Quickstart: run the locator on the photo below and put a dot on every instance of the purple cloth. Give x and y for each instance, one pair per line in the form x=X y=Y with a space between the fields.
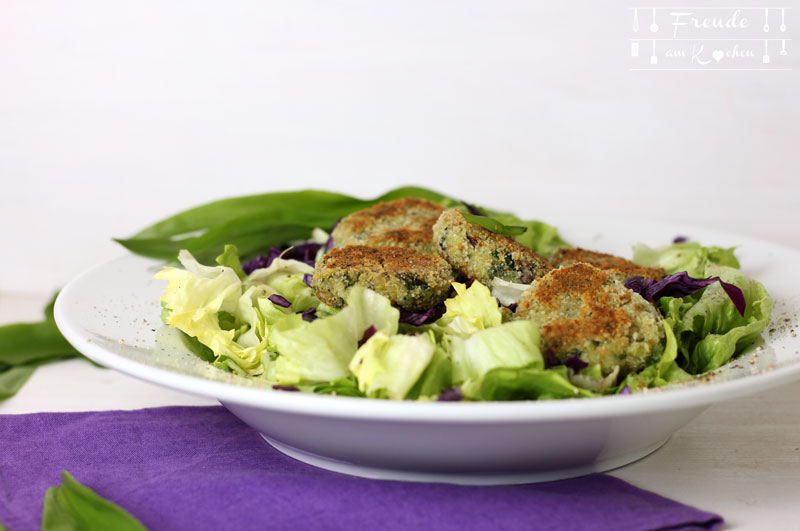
x=202 y=468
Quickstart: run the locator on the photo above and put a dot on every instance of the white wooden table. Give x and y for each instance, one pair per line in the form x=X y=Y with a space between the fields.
x=740 y=459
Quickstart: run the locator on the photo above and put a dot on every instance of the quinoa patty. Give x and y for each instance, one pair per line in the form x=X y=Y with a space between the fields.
x=482 y=255
x=404 y=222
x=608 y=262
x=587 y=312
x=410 y=279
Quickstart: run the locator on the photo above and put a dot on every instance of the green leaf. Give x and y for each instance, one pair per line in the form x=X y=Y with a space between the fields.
x=72 y=506
x=342 y=387
x=437 y=377
x=526 y=383
x=197 y=348
x=13 y=378
x=230 y=258
x=495 y=226
x=255 y=223
x=24 y=343
x=709 y=329
x=390 y=365
x=511 y=345
x=321 y=351
x=690 y=257
x=541 y=237
x=662 y=372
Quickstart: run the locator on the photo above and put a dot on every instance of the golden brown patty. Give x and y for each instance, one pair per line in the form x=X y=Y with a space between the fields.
x=626 y=268
x=587 y=312
x=404 y=222
x=410 y=279
x=483 y=255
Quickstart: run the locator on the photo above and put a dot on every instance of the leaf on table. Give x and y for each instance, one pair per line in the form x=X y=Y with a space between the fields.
x=12 y=379
x=72 y=506
x=25 y=343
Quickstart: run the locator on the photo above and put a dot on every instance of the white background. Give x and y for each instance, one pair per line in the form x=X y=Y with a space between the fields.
x=114 y=115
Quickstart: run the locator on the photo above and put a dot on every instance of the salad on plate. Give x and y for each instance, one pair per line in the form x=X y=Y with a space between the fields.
x=416 y=296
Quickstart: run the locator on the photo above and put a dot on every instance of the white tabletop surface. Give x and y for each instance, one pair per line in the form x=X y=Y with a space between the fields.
x=740 y=459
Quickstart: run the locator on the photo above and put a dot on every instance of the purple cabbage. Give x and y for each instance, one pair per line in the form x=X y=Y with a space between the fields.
x=472 y=209
x=305 y=252
x=680 y=239
x=368 y=333
x=309 y=315
x=420 y=318
x=512 y=306
x=329 y=244
x=625 y=390
x=453 y=394
x=261 y=261
x=285 y=388
x=680 y=285
x=575 y=363
x=307 y=279
x=279 y=300
x=571 y=361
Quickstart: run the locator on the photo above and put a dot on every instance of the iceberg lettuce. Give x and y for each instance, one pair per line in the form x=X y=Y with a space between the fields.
x=194 y=299
x=663 y=372
x=526 y=383
x=512 y=345
x=321 y=351
x=389 y=365
x=471 y=310
x=709 y=329
x=690 y=257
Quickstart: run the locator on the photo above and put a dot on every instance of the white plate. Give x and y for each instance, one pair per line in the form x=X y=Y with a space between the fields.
x=111 y=314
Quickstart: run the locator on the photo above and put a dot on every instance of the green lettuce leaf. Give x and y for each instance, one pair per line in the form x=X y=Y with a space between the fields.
x=194 y=299
x=437 y=377
x=526 y=383
x=390 y=365
x=471 y=310
x=72 y=506
x=709 y=329
x=690 y=257
x=321 y=351
x=511 y=345
x=230 y=258
x=664 y=372
x=342 y=387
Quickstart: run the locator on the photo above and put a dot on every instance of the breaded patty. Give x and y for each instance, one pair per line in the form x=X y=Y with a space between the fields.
x=404 y=222
x=410 y=279
x=605 y=261
x=584 y=311
x=482 y=255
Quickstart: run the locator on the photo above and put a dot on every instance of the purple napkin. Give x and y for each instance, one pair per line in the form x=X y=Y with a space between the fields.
x=202 y=468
